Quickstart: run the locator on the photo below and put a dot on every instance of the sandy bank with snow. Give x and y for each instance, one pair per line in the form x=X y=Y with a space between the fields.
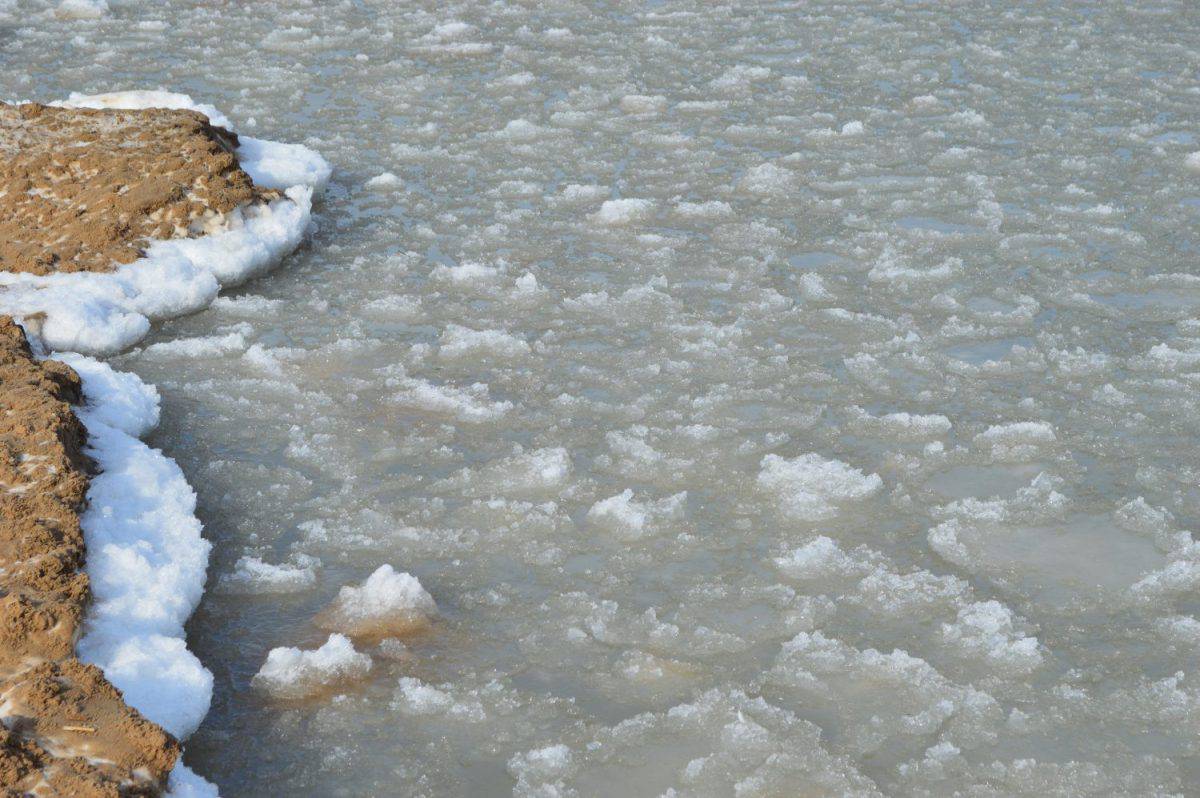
x=113 y=217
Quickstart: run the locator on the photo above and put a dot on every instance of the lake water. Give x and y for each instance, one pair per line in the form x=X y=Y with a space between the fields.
x=775 y=398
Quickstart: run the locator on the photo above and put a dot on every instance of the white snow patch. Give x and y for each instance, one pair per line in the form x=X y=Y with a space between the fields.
x=146 y=558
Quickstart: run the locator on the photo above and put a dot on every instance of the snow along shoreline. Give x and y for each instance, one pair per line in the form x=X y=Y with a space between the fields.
x=146 y=557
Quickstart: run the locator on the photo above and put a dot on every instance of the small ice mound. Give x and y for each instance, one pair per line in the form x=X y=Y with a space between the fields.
x=462 y=342
x=985 y=629
x=1193 y=161
x=811 y=488
x=388 y=604
x=81 y=9
x=630 y=519
x=618 y=212
x=520 y=130
x=1018 y=442
x=712 y=209
x=818 y=559
x=767 y=179
x=384 y=182
x=292 y=673
x=252 y=575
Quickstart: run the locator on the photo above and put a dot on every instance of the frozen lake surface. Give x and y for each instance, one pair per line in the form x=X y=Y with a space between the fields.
x=776 y=399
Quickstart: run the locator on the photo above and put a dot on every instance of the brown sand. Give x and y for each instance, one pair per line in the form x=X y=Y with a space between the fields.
x=66 y=730
x=79 y=190
x=85 y=190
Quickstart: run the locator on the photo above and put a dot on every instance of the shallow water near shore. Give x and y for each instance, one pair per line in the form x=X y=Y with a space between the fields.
x=774 y=399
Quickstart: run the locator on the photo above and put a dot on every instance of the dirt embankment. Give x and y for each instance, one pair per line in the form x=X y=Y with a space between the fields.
x=79 y=190
x=84 y=190
x=66 y=730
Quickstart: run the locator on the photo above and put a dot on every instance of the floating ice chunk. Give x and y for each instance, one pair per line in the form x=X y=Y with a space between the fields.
x=712 y=209
x=252 y=575
x=1193 y=161
x=459 y=342
x=535 y=770
x=520 y=130
x=388 y=604
x=539 y=473
x=454 y=29
x=811 y=488
x=631 y=519
x=902 y=426
x=464 y=273
x=1017 y=442
x=740 y=76
x=247 y=305
x=385 y=181
x=618 y=212
x=818 y=559
x=81 y=9
x=985 y=629
x=812 y=288
x=273 y=164
x=415 y=697
x=766 y=179
x=854 y=128
x=575 y=192
x=203 y=346
x=469 y=404
x=292 y=673
x=642 y=104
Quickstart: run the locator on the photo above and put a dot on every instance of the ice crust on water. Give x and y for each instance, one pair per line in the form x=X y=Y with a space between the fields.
x=811 y=487
x=81 y=9
x=252 y=575
x=882 y=298
x=292 y=673
x=388 y=603
x=102 y=313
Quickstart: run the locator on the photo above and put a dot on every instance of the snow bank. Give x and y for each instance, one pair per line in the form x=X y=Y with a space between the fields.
x=388 y=604
x=145 y=557
x=103 y=313
x=293 y=673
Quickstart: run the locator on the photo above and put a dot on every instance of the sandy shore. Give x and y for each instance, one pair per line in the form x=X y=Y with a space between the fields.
x=67 y=730
x=84 y=196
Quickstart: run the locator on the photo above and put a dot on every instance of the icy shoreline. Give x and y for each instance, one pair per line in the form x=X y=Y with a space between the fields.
x=146 y=557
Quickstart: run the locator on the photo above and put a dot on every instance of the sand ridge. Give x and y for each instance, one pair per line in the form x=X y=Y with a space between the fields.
x=85 y=189
x=66 y=729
